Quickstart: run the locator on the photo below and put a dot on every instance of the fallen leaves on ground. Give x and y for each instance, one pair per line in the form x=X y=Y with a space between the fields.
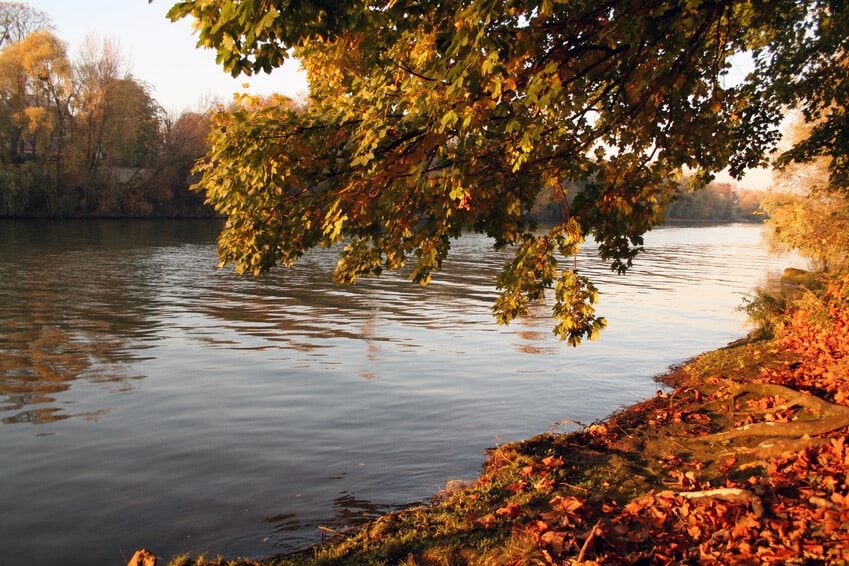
x=796 y=511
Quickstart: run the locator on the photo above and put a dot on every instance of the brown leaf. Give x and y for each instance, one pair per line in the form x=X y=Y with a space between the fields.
x=569 y=504
x=486 y=521
x=511 y=510
x=552 y=462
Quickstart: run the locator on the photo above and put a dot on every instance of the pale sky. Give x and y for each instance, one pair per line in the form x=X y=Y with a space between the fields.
x=161 y=53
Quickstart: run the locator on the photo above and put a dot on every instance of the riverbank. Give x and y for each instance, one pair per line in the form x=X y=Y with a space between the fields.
x=665 y=481
x=744 y=462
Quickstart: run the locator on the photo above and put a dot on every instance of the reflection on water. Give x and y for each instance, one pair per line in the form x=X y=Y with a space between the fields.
x=74 y=306
x=183 y=408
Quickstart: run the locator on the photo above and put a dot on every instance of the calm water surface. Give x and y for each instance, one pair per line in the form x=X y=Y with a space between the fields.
x=148 y=399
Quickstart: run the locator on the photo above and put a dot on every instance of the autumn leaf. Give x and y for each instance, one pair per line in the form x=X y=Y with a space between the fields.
x=487 y=521
x=511 y=510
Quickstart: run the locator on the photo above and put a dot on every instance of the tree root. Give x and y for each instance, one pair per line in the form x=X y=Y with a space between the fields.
x=776 y=447
x=832 y=417
x=732 y=494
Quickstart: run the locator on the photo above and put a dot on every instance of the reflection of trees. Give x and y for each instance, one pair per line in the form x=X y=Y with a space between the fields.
x=299 y=309
x=36 y=364
x=69 y=310
x=40 y=360
x=297 y=305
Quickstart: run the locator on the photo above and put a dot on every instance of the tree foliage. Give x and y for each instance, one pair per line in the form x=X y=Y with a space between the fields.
x=806 y=214
x=814 y=225
x=816 y=66
x=428 y=119
x=82 y=136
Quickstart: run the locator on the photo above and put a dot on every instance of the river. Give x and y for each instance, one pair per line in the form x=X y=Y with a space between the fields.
x=149 y=399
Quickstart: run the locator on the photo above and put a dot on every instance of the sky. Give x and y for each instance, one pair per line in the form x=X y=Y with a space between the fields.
x=161 y=53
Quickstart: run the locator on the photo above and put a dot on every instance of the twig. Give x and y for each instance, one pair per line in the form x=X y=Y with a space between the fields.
x=579 y=488
x=587 y=542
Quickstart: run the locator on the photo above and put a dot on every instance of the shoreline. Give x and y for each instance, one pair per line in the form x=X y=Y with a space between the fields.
x=611 y=491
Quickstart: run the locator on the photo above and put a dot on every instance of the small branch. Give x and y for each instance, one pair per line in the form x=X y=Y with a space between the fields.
x=587 y=542
x=406 y=68
x=575 y=487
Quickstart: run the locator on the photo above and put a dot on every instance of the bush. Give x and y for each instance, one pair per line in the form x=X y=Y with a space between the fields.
x=770 y=307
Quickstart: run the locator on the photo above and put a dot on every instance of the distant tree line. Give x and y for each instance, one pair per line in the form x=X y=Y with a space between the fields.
x=717 y=202
x=82 y=136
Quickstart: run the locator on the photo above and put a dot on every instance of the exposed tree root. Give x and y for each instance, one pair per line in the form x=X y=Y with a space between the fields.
x=775 y=446
x=732 y=494
x=831 y=416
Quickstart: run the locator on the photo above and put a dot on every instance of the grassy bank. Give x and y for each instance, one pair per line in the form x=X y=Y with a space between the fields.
x=743 y=463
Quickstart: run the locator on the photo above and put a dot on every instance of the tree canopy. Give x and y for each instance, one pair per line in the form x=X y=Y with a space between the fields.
x=428 y=118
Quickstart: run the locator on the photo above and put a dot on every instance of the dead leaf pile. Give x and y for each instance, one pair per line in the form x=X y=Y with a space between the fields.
x=816 y=336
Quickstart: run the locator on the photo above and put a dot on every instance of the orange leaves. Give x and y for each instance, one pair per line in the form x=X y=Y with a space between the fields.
x=511 y=510
x=565 y=512
x=555 y=530
x=487 y=521
x=795 y=509
x=550 y=462
x=597 y=430
x=729 y=463
x=817 y=334
x=537 y=481
x=686 y=480
x=544 y=467
x=676 y=526
x=800 y=508
x=766 y=402
x=568 y=505
x=680 y=413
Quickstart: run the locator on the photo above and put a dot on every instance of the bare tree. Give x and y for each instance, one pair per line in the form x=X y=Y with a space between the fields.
x=99 y=65
x=18 y=20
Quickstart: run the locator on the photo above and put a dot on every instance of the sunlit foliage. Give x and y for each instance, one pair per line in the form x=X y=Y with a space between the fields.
x=428 y=119
x=807 y=213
